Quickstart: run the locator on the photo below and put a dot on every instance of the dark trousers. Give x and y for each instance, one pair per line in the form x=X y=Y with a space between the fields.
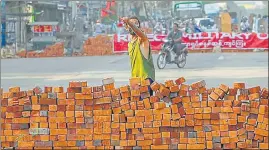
x=178 y=47
x=150 y=90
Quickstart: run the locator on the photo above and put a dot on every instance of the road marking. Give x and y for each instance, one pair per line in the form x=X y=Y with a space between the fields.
x=117 y=60
x=166 y=74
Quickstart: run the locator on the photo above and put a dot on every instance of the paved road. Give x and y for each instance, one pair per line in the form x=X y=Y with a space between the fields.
x=251 y=68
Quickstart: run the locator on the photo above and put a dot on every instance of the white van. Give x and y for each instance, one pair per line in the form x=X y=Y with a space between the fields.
x=206 y=24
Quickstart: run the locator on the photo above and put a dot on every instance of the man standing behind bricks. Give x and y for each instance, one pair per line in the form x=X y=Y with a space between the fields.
x=139 y=51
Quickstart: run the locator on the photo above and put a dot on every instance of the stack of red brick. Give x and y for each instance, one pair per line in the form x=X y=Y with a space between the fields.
x=99 y=45
x=104 y=117
x=56 y=50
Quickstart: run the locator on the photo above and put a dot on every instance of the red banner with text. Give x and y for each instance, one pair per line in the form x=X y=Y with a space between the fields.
x=203 y=40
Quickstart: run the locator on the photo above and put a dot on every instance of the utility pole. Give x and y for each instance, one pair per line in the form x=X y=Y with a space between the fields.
x=123 y=9
x=25 y=29
x=20 y=25
x=3 y=23
x=1 y=13
x=88 y=16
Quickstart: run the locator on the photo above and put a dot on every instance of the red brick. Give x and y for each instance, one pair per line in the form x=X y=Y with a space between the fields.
x=159 y=147
x=182 y=93
x=238 y=85
x=174 y=109
x=202 y=90
x=135 y=93
x=184 y=87
x=195 y=98
x=186 y=99
x=155 y=86
x=219 y=92
x=261 y=132
x=154 y=99
x=176 y=100
x=195 y=146
x=180 y=80
x=159 y=105
x=254 y=96
x=133 y=81
x=182 y=146
x=224 y=88
x=124 y=89
x=255 y=89
x=126 y=94
x=263 y=109
x=61 y=95
x=143 y=89
x=242 y=97
x=214 y=96
x=198 y=84
x=264 y=102
x=229 y=146
x=241 y=145
x=174 y=88
x=169 y=83
x=263 y=145
x=233 y=92
x=147 y=103
x=264 y=93
x=115 y=92
x=47 y=101
x=164 y=91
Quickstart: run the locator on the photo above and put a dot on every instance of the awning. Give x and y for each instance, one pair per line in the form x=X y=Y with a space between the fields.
x=44 y=39
x=43 y=23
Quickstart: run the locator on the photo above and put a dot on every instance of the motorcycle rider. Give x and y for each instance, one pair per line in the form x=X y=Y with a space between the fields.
x=176 y=35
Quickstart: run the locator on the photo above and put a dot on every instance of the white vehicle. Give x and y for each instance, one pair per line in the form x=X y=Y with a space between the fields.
x=206 y=24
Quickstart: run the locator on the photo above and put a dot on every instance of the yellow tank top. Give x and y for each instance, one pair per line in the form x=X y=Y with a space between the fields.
x=140 y=66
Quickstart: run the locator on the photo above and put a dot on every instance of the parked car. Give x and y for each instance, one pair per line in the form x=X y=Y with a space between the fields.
x=206 y=24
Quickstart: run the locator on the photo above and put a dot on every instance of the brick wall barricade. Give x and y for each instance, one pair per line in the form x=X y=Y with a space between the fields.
x=105 y=117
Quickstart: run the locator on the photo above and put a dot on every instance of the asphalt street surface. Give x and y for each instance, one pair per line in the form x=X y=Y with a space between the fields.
x=214 y=68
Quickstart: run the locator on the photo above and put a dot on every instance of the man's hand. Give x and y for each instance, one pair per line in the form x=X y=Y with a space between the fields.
x=125 y=19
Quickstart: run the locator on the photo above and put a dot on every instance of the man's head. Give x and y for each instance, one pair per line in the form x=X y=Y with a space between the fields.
x=136 y=22
x=175 y=26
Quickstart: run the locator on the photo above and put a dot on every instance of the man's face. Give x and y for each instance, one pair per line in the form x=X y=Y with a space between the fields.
x=135 y=22
x=175 y=27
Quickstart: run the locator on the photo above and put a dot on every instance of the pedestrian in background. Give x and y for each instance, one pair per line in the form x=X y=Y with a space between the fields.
x=98 y=28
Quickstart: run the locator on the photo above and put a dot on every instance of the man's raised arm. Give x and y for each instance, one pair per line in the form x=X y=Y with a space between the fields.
x=137 y=31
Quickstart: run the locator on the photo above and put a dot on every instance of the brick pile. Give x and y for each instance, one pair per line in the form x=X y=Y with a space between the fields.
x=99 y=45
x=56 y=50
x=105 y=117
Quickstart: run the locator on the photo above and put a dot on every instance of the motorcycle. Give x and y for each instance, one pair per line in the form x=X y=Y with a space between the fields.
x=168 y=56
